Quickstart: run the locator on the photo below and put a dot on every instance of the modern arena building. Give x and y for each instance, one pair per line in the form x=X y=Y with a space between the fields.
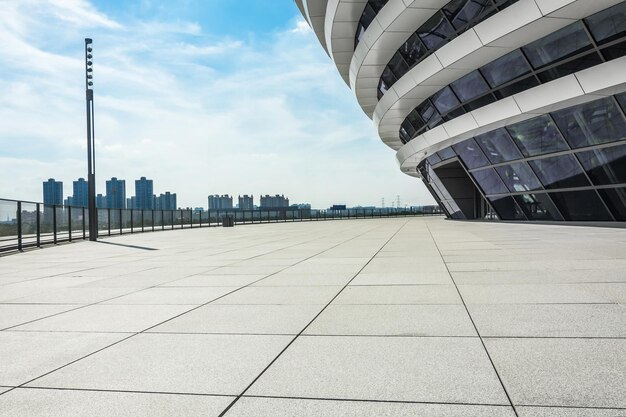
x=507 y=108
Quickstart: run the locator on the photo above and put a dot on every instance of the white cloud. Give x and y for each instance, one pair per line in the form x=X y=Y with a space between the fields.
x=197 y=113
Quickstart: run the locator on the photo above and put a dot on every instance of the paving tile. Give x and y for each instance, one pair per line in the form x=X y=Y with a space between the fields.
x=27 y=355
x=173 y=295
x=538 y=293
x=288 y=279
x=393 y=320
x=562 y=372
x=373 y=368
x=399 y=294
x=402 y=278
x=539 y=277
x=108 y=318
x=282 y=295
x=200 y=364
x=567 y=412
x=15 y=314
x=265 y=319
x=215 y=281
x=550 y=320
x=72 y=295
x=283 y=407
x=69 y=403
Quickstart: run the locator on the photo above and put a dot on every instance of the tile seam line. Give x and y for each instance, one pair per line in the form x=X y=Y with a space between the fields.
x=227 y=409
x=197 y=307
x=493 y=365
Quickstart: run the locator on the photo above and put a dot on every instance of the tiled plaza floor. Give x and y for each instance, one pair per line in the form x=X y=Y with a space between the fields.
x=397 y=317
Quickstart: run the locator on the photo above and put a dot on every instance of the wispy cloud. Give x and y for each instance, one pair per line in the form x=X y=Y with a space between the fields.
x=197 y=112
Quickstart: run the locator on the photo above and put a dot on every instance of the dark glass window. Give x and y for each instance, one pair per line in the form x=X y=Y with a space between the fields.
x=570 y=67
x=517 y=87
x=608 y=24
x=592 y=123
x=429 y=114
x=537 y=207
x=518 y=177
x=505 y=68
x=470 y=86
x=387 y=79
x=605 y=166
x=415 y=120
x=614 y=51
x=489 y=181
x=506 y=208
x=559 y=172
x=454 y=114
x=615 y=199
x=435 y=31
x=433 y=159
x=498 y=146
x=408 y=128
x=446 y=153
x=565 y=42
x=621 y=99
x=479 y=102
x=445 y=100
x=462 y=12
x=413 y=50
x=398 y=66
x=537 y=136
x=580 y=206
x=471 y=154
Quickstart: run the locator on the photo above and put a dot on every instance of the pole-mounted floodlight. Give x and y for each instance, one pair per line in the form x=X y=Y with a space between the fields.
x=91 y=143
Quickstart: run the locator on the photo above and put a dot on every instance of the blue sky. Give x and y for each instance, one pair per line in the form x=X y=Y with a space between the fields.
x=203 y=96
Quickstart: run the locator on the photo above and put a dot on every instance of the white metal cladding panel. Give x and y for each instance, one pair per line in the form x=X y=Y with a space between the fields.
x=512 y=28
x=342 y=18
x=590 y=84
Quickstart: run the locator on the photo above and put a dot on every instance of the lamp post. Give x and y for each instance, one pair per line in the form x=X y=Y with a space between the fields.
x=91 y=143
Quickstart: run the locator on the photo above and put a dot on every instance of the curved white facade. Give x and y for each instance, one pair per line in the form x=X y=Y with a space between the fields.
x=423 y=70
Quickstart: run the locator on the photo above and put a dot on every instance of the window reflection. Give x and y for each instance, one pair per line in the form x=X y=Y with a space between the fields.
x=489 y=181
x=605 y=166
x=470 y=86
x=560 y=44
x=498 y=146
x=537 y=207
x=615 y=199
x=518 y=177
x=506 y=208
x=470 y=154
x=608 y=24
x=580 y=206
x=559 y=172
x=593 y=123
x=505 y=68
x=537 y=136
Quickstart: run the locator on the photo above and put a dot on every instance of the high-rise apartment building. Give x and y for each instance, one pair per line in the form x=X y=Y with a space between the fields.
x=116 y=193
x=275 y=201
x=165 y=201
x=80 y=197
x=53 y=192
x=101 y=201
x=144 y=195
x=507 y=109
x=246 y=202
x=220 y=202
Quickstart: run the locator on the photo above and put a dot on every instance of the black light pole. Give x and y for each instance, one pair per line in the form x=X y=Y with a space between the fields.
x=91 y=143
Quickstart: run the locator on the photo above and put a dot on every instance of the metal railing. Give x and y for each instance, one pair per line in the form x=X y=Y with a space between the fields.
x=26 y=224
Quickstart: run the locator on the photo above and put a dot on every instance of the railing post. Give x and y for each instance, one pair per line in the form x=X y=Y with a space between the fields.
x=142 y=212
x=172 y=218
x=69 y=223
x=38 y=225
x=84 y=232
x=131 y=221
x=152 y=220
x=121 y=222
x=191 y=219
x=109 y=221
x=19 y=225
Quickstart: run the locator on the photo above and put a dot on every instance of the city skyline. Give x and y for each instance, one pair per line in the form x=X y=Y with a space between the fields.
x=195 y=100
